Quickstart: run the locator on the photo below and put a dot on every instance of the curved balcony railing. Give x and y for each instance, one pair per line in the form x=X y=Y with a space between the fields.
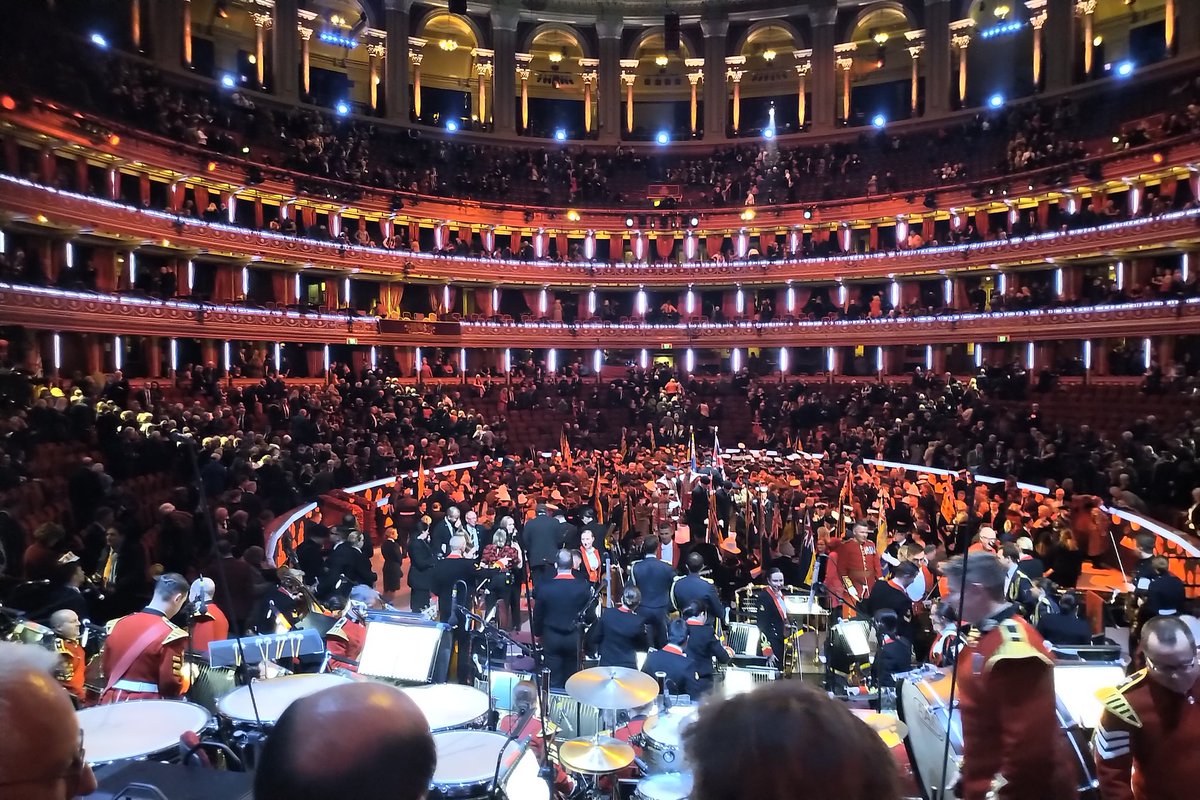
x=61 y=310
x=23 y=198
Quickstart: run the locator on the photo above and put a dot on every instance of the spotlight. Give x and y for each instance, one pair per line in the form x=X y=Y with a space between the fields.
x=1124 y=69
x=246 y=150
x=342 y=108
x=663 y=137
x=694 y=221
x=560 y=135
x=8 y=103
x=114 y=140
x=810 y=212
x=211 y=166
x=769 y=133
x=573 y=215
x=99 y=40
x=222 y=9
x=996 y=100
x=629 y=222
x=228 y=81
x=451 y=125
x=879 y=120
x=1157 y=158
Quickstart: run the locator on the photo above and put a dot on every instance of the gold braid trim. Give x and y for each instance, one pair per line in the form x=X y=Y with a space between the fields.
x=1015 y=645
x=1117 y=704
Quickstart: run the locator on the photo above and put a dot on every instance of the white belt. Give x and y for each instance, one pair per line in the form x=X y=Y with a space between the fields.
x=142 y=687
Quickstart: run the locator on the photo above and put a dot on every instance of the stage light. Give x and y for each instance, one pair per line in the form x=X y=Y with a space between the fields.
x=342 y=108
x=996 y=100
x=228 y=81
x=1124 y=69
x=99 y=40
x=663 y=137
x=573 y=215
x=560 y=135
x=694 y=221
x=629 y=222
x=810 y=212
x=451 y=125
x=879 y=120
x=769 y=133
x=8 y=103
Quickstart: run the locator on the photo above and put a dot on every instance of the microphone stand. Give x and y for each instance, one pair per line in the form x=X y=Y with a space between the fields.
x=546 y=772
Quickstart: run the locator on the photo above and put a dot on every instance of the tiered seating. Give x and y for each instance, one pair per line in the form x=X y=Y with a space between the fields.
x=1111 y=408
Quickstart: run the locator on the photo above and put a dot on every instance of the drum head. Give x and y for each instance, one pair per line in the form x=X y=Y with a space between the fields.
x=667 y=729
x=137 y=728
x=468 y=758
x=273 y=697
x=448 y=706
x=671 y=786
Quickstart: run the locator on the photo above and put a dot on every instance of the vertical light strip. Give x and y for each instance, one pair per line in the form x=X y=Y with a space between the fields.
x=1030 y=356
x=507 y=360
x=1087 y=353
x=327 y=358
x=592 y=301
x=690 y=360
x=228 y=356
x=644 y=360
x=895 y=294
x=462 y=360
x=542 y=300
x=641 y=301
x=118 y=355
x=948 y=292
x=1147 y=352
x=279 y=357
x=1002 y=283
x=191 y=275
x=830 y=358
x=445 y=296
x=58 y=351
x=419 y=360
x=1058 y=282
x=552 y=360
x=597 y=360
x=1185 y=264
x=132 y=268
x=1120 y=270
x=691 y=301
x=3 y=242
x=735 y=358
x=843 y=293
x=741 y=301
x=791 y=299
x=879 y=359
x=231 y=209
x=245 y=281
x=928 y=358
x=296 y=286
x=978 y=355
x=783 y=360
x=374 y=358
x=346 y=292
x=175 y=354
x=495 y=301
x=69 y=255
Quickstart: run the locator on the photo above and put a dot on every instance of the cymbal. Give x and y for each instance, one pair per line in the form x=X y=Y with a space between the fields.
x=612 y=687
x=595 y=755
x=889 y=728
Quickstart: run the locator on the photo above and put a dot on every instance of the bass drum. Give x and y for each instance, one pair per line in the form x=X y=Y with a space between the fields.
x=923 y=704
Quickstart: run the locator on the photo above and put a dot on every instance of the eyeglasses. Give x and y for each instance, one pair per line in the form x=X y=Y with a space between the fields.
x=1174 y=670
x=72 y=773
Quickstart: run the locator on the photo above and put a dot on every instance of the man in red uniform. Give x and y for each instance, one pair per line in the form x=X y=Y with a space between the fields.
x=853 y=569
x=143 y=654
x=1013 y=746
x=346 y=638
x=1149 y=730
x=208 y=623
x=73 y=666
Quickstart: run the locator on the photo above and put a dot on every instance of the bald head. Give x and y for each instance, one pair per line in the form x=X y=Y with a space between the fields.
x=41 y=762
x=368 y=741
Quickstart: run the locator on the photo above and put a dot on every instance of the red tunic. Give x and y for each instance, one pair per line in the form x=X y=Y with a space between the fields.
x=1012 y=739
x=73 y=668
x=210 y=626
x=852 y=565
x=1146 y=742
x=345 y=640
x=158 y=664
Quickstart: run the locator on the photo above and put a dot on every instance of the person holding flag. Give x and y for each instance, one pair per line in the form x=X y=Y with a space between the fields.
x=564 y=446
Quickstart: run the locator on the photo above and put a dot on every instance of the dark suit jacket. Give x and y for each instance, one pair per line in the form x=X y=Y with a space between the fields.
x=885 y=595
x=772 y=625
x=680 y=671
x=703 y=647
x=618 y=636
x=446 y=573
x=557 y=604
x=1033 y=567
x=346 y=561
x=693 y=588
x=421 y=563
x=1065 y=629
x=654 y=578
x=542 y=539
x=310 y=558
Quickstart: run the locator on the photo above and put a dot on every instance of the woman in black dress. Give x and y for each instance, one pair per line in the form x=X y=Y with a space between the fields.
x=393 y=564
x=420 y=568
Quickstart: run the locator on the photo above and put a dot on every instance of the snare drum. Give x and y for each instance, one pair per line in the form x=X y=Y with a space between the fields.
x=138 y=729
x=447 y=706
x=670 y=786
x=466 y=763
x=662 y=740
x=272 y=697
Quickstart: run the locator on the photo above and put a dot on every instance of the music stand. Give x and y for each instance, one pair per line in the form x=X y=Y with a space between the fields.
x=405 y=651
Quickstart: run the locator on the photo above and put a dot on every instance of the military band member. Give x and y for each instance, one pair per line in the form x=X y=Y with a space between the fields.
x=143 y=654
x=208 y=622
x=1149 y=730
x=853 y=569
x=1014 y=748
x=772 y=617
x=72 y=671
x=346 y=638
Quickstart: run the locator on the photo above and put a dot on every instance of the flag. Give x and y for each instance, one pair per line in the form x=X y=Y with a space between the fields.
x=948 y=510
x=420 y=479
x=653 y=444
x=810 y=549
x=692 y=450
x=844 y=499
x=881 y=533
x=599 y=506
x=717 y=461
x=624 y=446
x=565 y=447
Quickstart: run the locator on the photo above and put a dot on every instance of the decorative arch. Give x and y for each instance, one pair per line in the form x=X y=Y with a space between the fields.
x=874 y=8
x=797 y=40
x=558 y=27
x=983 y=12
x=687 y=44
x=463 y=21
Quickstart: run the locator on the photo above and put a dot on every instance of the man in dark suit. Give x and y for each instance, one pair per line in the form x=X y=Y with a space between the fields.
x=561 y=606
x=702 y=645
x=444 y=529
x=310 y=553
x=452 y=573
x=654 y=578
x=1065 y=627
x=1018 y=587
x=620 y=633
x=893 y=594
x=692 y=588
x=568 y=532
x=772 y=615
x=1030 y=564
x=697 y=513
x=542 y=539
x=346 y=565
x=420 y=568
x=587 y=516
x=674 y=663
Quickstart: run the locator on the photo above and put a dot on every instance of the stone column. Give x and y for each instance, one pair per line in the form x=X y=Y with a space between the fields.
x=285 y=46
x=1086 y=11
x=1037 y=19
x=695 y=75
x=628 y=79
x=589 y=72
x=937 y=57
x=504 y=75
x=845 y=63
x=715 y=32
x=523 y=74
x=262 y=23
x=187 y=33
x=960 y=37
x=608 y=31
x=483 y=72
x=415 y=55
x=135 y=24
x=305 y=60
x=395 y=80
x=824 y=69
x=914 y=52
x=1060 y=43
x=376 y=54
x=803 y=67
x=734 y=70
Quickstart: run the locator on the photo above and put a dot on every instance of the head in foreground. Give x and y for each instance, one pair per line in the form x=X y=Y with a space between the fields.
x=41 y=747
x=741 y=751
x=368 y=741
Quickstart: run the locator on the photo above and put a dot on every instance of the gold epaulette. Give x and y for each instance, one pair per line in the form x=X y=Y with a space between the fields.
x=112 y=623
x=1118 y=704
x=337 y=631
x=60 y=645
x=174 y=635
x=1014 y=644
